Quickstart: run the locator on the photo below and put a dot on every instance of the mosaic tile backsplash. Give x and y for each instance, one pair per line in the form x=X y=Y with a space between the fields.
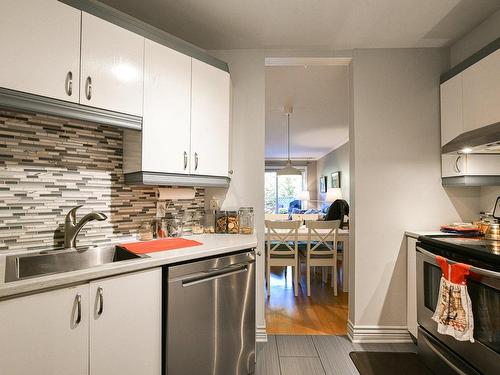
x=49 y=165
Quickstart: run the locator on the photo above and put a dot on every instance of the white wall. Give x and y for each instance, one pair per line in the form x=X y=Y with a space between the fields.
x=395 y=174
x=337 y=160
x=483 y=34
x=247 y=149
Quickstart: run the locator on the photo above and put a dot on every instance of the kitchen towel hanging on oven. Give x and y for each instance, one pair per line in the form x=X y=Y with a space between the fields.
x=453 y=312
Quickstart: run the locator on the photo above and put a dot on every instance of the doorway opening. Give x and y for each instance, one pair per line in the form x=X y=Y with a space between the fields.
x=307 y=128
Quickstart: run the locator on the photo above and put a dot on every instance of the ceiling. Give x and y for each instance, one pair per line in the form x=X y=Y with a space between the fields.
x=319 y=122
x=312 y=24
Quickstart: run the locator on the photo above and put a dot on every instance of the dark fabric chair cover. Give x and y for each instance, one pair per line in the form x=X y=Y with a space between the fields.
x=337 y=211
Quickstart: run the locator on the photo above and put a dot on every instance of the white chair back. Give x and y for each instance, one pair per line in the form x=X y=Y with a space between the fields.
x=276 y=216
x=305 y=217
x=325 y=238
x=283 y=233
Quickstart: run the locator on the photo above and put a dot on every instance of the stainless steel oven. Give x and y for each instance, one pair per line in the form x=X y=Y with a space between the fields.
x=441 y=352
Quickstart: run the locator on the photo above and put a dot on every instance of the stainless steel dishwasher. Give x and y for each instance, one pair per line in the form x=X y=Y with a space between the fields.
x=210 y=308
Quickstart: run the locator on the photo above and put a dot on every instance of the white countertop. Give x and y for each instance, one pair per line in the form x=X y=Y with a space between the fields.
x=417 y=233
x=213 y=244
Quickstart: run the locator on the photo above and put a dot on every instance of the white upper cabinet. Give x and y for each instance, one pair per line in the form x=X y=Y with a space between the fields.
x=167 y=106
x=209 y=120
x=112 y=60
x=40 y=43
x=45 y=333
x=125 y=325
x=451 y=109
x=481 y=92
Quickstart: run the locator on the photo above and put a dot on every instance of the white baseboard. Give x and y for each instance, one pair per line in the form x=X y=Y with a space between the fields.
x=261 y=334
x=378 y=334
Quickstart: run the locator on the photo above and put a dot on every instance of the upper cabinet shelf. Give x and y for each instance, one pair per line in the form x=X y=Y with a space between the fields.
x=78 y=59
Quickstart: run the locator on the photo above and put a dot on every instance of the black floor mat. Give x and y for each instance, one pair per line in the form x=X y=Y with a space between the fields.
x=388 y=363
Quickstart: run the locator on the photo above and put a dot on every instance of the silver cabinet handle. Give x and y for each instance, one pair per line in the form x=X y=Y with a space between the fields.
x=69 y=83
x=195 y=161
x=457 y=168
x=88 y=88
x=259 y=253
x=185 y=160
x=100 y=294
x=78 y=309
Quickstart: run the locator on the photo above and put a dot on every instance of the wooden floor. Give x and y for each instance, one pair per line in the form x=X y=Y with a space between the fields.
x=314 y=355
x=320 y=314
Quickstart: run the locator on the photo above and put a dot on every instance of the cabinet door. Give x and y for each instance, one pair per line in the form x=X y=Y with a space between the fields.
x=125 y=324
x=451 y=109
x=40 y=48
x=167 y=110
x=481 y=92
x=453 y=165
x=483 y=164
x=41 y=333
x=209 y=120
x=112 y=67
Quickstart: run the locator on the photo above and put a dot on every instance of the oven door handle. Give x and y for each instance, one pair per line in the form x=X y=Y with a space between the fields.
x=441 y=356
x=476 y=270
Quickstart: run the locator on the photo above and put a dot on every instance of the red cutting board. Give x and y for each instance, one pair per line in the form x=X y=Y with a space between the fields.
x=159 y=245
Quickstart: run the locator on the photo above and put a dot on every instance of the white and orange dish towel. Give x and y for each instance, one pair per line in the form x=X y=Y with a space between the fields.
x=453 y=312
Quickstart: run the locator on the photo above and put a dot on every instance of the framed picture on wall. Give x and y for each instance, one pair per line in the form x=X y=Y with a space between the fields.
x=335 y=179
x=323 y=181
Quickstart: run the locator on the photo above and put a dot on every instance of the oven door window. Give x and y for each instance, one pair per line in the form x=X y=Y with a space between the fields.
x=485 y=305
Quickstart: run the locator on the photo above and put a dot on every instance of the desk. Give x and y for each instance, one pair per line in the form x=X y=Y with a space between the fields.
x=342 y=236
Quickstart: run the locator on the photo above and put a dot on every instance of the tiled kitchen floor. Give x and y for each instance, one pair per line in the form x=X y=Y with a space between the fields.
x=314 y=355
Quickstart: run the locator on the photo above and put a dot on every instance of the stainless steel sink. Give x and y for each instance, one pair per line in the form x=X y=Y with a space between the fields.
x=19 y=267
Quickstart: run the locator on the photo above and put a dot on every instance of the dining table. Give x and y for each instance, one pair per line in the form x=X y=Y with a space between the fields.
x=342 y=236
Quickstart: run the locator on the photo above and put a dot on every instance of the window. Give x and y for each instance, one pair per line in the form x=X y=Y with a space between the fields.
x=280 y=191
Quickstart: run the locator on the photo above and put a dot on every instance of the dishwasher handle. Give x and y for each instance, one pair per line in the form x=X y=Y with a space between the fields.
x=202 y=277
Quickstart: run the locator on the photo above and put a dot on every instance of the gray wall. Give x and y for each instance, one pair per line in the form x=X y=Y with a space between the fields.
x=395 y=175
x=337 y=160
x=485 y=33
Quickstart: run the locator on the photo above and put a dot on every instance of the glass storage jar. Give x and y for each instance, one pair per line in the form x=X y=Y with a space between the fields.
x=209 y=222
x=221 y=222
x=233 y=222
x=246 y=220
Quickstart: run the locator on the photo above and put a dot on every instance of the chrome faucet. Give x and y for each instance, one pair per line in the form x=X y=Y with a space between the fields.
x=72 y=228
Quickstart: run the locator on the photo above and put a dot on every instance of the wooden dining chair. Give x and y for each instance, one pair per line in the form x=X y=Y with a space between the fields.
x=283 y=249
x=321 y=249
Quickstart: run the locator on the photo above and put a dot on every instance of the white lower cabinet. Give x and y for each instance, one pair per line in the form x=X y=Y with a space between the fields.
x=118 y=318
x=411 y=285
x=45 y=333
x=125 y=325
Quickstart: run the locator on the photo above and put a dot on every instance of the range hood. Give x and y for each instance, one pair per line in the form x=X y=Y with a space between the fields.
x=485 y=140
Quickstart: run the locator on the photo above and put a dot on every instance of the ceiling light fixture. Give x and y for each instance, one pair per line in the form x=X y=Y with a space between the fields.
x=466 y=150
x=289 y=170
